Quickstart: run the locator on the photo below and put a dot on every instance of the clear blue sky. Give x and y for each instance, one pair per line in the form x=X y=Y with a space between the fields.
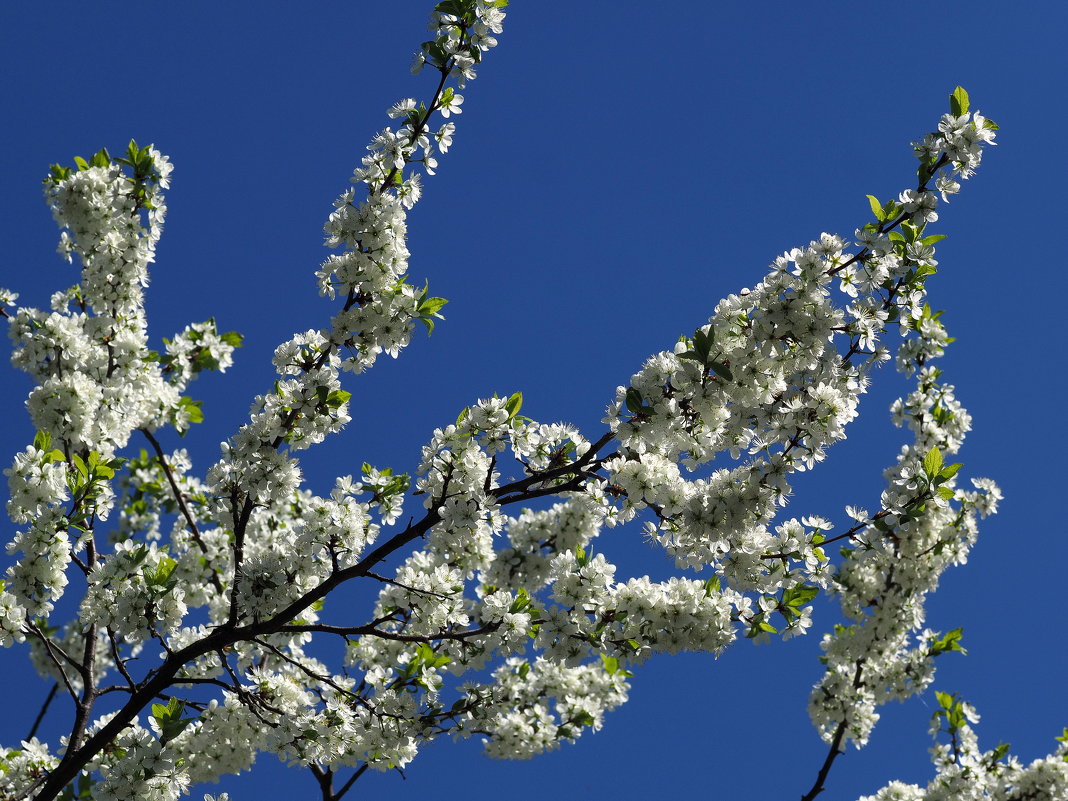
x=617 y=169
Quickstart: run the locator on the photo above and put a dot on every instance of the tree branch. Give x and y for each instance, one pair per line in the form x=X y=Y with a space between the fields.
x=44 y=709
x=836 y=748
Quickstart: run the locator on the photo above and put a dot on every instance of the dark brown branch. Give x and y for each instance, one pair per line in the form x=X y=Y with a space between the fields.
x=371 y=631
x=325 y=779
x=307 y=671
x=51 y=649
x=230 y=633
x=85 y=705
x=503 y=493
x=352 y=780
x=884 y=226
x=836 y=748
x=44 y=709
x=836 y=745
x=402 y=586
x=179 y=498
x=119 y=662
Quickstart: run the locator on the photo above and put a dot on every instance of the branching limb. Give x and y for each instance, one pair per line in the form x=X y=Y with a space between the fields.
x=179 y=498
x=371 y=631
x=52 y=649
x=120 y=663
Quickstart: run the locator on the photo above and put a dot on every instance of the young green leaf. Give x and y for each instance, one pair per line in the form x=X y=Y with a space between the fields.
x=958 y=102
x=948 y=642
x=514 y=404
x=876 y=208
x=932 y=462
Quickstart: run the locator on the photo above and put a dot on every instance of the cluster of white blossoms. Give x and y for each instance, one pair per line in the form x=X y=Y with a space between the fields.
x=20 y=767
x=147 y=771
x=134 y=593
x=504 y=627
x=896 y=557
x=964 y=772
x=535 y=707
x=96 y=379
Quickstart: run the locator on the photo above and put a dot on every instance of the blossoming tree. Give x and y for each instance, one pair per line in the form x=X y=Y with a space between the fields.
x=203 y=635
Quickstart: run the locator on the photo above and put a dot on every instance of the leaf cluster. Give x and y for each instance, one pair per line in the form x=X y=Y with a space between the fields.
x=700 y=351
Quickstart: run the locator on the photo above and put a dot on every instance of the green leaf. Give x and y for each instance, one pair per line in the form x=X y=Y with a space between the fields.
x=337 y=398
x=702 y=343
x=431 y=306
x=514 y=404
x=958 y=102
x=79 y=465
x=635 y=403
x=583 y=557
x=57 y=173
x=138 y=556
x=949 y=471
x=82 y=163
x=192 y=409
x=721 y=370
x=999 y=752
x=163 y=573
x=172 y=711
x=42 y=440
x=876 y=208
x=584 y=719
x=171 y=729
x=948 y=642
x=932 y=462
x=521 y=602
x=798 y=596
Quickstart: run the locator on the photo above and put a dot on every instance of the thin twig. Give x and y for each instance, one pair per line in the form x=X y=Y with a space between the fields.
x=179 y=498
x=44 y=709
x=352 y=780
x=51 y=648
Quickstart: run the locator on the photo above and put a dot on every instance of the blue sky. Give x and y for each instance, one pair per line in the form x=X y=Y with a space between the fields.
x=617 y=169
